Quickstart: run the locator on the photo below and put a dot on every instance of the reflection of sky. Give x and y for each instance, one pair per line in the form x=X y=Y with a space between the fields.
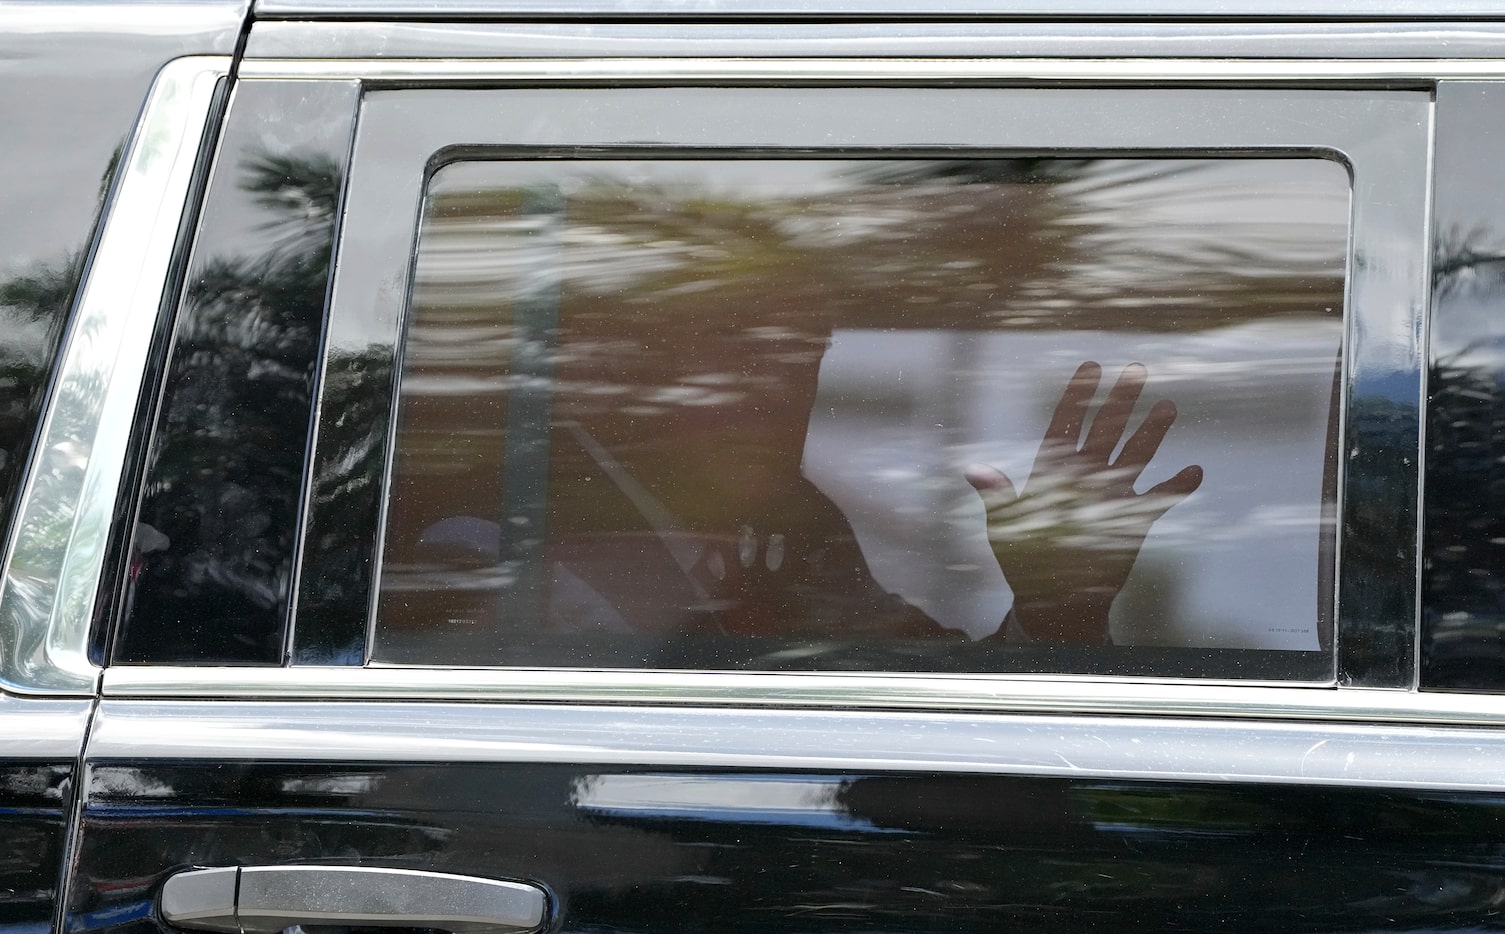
x=799 y=800
x=1137 y=224
x=75 y=77
x=1233 y=565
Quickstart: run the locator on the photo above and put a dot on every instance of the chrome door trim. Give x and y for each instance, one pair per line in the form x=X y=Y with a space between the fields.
x=1010 y=693
x=63 y=517
x=899 y=9
x=1129 y=748
x=1159 y=72
x=35 y=728
x=857 y=39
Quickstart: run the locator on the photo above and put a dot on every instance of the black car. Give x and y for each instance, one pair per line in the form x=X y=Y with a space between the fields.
x=752 y=465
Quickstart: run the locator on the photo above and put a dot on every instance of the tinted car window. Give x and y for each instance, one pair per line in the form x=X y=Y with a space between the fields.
x=789 y=413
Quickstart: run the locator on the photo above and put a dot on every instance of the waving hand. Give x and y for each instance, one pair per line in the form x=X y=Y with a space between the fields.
x=1067 y=540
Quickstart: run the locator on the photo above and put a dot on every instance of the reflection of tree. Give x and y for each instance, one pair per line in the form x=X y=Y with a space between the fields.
x=1465 y=260
x=1379 y=523
x=988 y=853
x=1463 y=590
x=34 y=307
x=343 y=506
x=224 y=479
x=1171 y=244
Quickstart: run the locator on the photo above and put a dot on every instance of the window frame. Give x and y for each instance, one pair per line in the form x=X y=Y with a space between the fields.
x=1402 y=339
x=404 y=135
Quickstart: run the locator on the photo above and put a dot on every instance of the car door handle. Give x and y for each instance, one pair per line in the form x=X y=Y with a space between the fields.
x=267 y=899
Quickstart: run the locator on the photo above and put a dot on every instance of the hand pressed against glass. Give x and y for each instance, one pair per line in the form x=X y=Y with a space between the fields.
x=1067 y=540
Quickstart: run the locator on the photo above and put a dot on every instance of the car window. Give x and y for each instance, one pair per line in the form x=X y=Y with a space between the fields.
x=871 y=413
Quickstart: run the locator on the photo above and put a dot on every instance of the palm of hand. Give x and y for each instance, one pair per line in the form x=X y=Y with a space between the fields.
x=1067 y=541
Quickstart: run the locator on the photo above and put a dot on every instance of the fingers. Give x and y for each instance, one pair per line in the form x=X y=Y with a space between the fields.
x=1177 y=488
x=1145 y=441
x=991 y=484
x=1065 y=428
x=1108 y=427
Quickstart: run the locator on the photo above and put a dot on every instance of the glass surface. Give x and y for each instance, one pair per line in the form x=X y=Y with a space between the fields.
x=211 y=561
x=1463 y=591
x=906 y=414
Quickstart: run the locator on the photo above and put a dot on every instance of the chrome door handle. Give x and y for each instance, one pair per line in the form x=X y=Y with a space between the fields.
x=266 y=899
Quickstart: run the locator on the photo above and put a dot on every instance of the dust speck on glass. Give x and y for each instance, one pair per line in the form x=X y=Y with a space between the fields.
x=870 y=414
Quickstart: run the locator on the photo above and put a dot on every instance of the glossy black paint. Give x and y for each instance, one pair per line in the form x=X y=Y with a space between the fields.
x=74 y=82
x=1377 y=629
x=1463 y=584
x=211 y=570
x=34 y=802
x=626 y=849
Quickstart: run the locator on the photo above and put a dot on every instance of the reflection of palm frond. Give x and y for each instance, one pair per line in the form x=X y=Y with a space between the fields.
x=1013 y=171
x=45 y=291
x=1469 y=259
x=300 y=190
x=1465 y=523
x=108 y=178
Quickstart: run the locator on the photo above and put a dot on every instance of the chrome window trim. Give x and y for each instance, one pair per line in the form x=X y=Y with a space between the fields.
x=66 y=507
x=902 y=9
x=994 y=693
x=848 y=39
x=1160 y=72
x=35 y=728
x=1348 y=755
x=1423 y=340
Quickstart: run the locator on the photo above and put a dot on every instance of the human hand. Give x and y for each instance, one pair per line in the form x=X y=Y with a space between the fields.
x=1067 y=541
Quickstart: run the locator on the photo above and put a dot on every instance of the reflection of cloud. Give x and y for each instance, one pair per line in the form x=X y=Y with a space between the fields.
x=461 y=257
x=1278 y=217
x=843 y=223
x=354 y=783
x=43 y=781
x=423 y=578
x=773 y=799
x=1265 y=523
x=128 y=783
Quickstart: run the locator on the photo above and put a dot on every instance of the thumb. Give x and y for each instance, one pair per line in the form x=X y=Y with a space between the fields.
x=990 y=483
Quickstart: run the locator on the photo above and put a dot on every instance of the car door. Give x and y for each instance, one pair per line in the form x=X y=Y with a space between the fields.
x=621 y=492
